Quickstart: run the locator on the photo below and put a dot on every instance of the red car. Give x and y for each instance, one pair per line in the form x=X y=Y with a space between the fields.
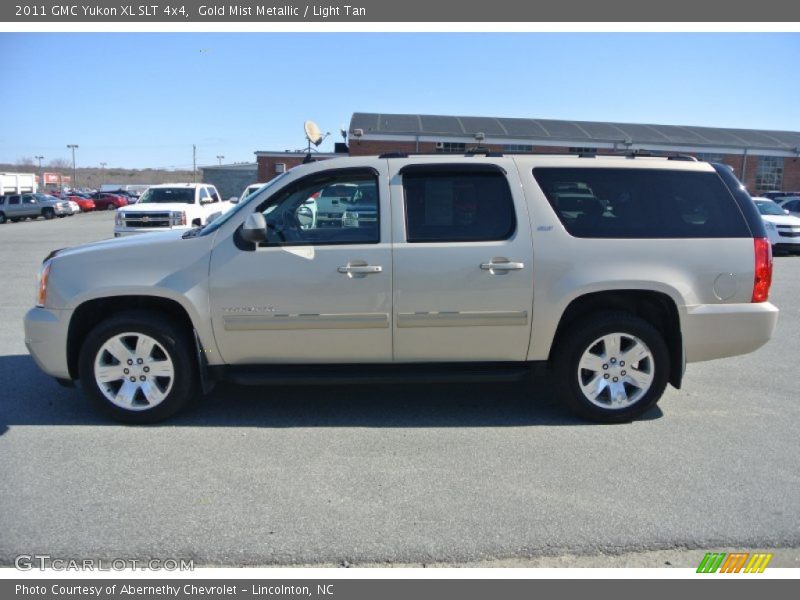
x=106 y=201
x=85 y=203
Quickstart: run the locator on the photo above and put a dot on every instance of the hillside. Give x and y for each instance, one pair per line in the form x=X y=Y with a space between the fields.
x=94 y=177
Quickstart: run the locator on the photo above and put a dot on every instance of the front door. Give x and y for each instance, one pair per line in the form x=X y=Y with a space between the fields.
x=463 y=257
x=320 y=288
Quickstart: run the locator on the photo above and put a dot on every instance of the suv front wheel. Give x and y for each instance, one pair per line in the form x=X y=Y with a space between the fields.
x=138 y=367
x=611 y=368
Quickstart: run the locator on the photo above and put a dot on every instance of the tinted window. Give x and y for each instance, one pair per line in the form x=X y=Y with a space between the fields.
x=13 y=200
x=214 y=195
x=792 y=205
x=641 y=203
x=338 y=208
x=458 y=207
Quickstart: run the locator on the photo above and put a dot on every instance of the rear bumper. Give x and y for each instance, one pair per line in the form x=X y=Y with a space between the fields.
x=719 y=330
x=46 y=339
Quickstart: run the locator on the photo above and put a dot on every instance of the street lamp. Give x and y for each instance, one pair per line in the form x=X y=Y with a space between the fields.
x=73 y=147
x=219 y=158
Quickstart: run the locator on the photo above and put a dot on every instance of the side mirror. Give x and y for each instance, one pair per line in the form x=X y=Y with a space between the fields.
x=205 y=200
x=786 y=211
x=255 y=228
x=234 y=199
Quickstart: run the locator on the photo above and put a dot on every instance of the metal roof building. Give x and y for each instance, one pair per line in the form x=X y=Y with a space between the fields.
x=548 y=132
x=762 y=159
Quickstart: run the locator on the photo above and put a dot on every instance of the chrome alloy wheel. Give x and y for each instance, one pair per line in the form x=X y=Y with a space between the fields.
x=615 y=371
x=133 y=371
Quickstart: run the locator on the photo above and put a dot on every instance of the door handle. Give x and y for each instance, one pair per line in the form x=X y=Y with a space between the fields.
x=360 y=269
x=502 y=267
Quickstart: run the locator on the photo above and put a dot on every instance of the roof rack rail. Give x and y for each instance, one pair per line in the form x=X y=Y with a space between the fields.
x=483 y=151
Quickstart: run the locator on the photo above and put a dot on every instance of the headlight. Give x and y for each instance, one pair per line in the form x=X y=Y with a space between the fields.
x=770 y=226
x=178 y=218
x=119 y=218
x=41 y=283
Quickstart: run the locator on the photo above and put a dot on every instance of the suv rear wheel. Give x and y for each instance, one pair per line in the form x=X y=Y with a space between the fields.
x=138 y=367
x=611 y=367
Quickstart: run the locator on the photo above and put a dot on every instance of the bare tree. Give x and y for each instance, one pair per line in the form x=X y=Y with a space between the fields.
x=25 y=161
x=60 y=163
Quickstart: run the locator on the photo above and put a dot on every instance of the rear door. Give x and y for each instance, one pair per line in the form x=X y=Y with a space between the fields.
x=463 y=262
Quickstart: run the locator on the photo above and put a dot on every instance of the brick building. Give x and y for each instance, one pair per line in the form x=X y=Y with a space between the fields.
x=271 y=164
x=763 y=160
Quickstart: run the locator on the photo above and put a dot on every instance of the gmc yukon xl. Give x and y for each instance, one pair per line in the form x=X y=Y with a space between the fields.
x=613 y=272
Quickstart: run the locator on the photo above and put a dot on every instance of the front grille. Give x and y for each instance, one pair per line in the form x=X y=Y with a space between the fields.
x=145 y=220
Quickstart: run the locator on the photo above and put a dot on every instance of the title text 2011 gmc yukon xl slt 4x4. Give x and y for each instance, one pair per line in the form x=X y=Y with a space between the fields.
x=614 y=271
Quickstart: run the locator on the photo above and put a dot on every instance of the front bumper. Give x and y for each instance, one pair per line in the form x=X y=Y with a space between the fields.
x=46 y=339
x=122 y=232
x=720 y=330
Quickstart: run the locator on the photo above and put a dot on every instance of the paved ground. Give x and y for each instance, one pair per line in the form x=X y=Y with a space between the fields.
x=459 y=474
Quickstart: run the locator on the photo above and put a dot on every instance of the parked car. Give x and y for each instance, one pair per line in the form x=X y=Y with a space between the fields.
x=85 y=203
x=106 y=201
x=790 y=203
x=253 y=187
x=16 y=207
x=171 y=206
x=778 y=196
x=783 y=228
x=466 y=268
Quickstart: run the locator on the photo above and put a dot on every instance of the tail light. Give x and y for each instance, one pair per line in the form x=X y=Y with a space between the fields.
x=763 y=271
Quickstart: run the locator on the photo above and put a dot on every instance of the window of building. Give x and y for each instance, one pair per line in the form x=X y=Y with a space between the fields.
x=448 y=206
x=582 y=150
x=325 y=209
x=641 y=203
x=451 y=147
x=280 y=167
x=769 y=173
x=517 y=148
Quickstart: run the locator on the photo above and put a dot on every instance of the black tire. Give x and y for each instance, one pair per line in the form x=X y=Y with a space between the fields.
x=582 y=338
x=48 y=213
x=111 y=206
x=2 y=218
x=14 y=219
x=176 y=343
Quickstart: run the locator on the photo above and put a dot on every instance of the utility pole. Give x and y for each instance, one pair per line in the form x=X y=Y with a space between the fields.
x=194 y=163
x=73 y=147
x=219 y=158
x=41 y=175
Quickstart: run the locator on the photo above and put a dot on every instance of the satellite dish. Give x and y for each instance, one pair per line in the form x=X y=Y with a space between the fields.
x=313 y=133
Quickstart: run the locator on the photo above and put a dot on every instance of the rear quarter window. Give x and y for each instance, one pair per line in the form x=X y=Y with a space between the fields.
x=641 y=203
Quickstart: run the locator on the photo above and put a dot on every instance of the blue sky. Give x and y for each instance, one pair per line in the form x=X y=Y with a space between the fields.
x=141 y=100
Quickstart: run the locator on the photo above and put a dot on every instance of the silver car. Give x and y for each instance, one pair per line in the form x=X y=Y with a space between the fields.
x=16 y=207
x=611 y=272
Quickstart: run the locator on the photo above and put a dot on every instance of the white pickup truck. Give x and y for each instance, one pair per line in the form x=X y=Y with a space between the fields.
x=171 y=206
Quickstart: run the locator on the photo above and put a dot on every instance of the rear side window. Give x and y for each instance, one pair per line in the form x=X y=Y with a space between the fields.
x=641 y=203
x=458 y=207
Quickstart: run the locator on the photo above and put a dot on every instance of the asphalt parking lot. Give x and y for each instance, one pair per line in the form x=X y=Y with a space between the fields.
x=446 y=474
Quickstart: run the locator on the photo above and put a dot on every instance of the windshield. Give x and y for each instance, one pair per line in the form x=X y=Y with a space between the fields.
x=769 y=208
x=167 y=195
x=226 y=216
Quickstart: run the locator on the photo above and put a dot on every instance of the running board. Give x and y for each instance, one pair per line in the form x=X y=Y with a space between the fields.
x=371 y=373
